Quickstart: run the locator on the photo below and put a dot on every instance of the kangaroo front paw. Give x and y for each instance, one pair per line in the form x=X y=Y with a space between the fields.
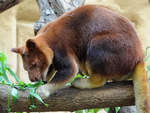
x=43 y=91
x=87 y=83
x=81 y=83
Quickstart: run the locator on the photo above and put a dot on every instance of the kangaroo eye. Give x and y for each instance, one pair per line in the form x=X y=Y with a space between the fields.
x=33 y=65
x=25 y=55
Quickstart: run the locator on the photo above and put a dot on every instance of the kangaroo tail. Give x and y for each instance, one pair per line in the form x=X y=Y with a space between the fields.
x=141 y=88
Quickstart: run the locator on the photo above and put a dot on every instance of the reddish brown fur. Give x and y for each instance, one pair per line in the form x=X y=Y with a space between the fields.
x=102 y=43
x=78 y=32
x=76 y=29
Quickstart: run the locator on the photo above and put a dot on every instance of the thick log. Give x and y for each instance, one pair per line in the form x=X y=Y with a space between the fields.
x=72 y=99
x=6 y=4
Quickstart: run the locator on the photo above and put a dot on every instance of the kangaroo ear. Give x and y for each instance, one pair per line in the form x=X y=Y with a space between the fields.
x=17 y=50
x=30 y=44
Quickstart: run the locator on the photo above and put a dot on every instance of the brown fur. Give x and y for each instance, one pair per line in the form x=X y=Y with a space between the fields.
x=102 y=43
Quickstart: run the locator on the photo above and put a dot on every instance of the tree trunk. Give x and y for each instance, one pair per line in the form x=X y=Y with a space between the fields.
x=6 y=4
x=51 y=9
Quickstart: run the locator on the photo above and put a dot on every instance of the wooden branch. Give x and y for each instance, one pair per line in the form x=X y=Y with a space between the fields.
x=6 y=4
x=71 y=99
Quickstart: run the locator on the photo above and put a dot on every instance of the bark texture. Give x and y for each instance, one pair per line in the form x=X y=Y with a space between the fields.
x=72 y=99
x=6 y=4
x=127 y=109
x=51 y=9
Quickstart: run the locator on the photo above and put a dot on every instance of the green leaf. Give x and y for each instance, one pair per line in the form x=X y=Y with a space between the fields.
x=2 y=81
x=4 y=73
x=37 y=84
x=3 y=67
x=79 y=111
x=31 y=107
x=14 y=94
x=1 y=71
x=77 y=76
x=95 y=110
x=106 y=109
x=21 y=83
x=9 y=109
x=147 y=56
x=117 y=109
x=148 y=67
x=3 y=58
x=147 y=49
x=37 y=97
x=1 y=78
x=13 y=74
x=88 y=111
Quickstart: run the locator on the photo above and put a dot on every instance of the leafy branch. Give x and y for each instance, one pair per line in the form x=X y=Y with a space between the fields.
x=19 y=85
